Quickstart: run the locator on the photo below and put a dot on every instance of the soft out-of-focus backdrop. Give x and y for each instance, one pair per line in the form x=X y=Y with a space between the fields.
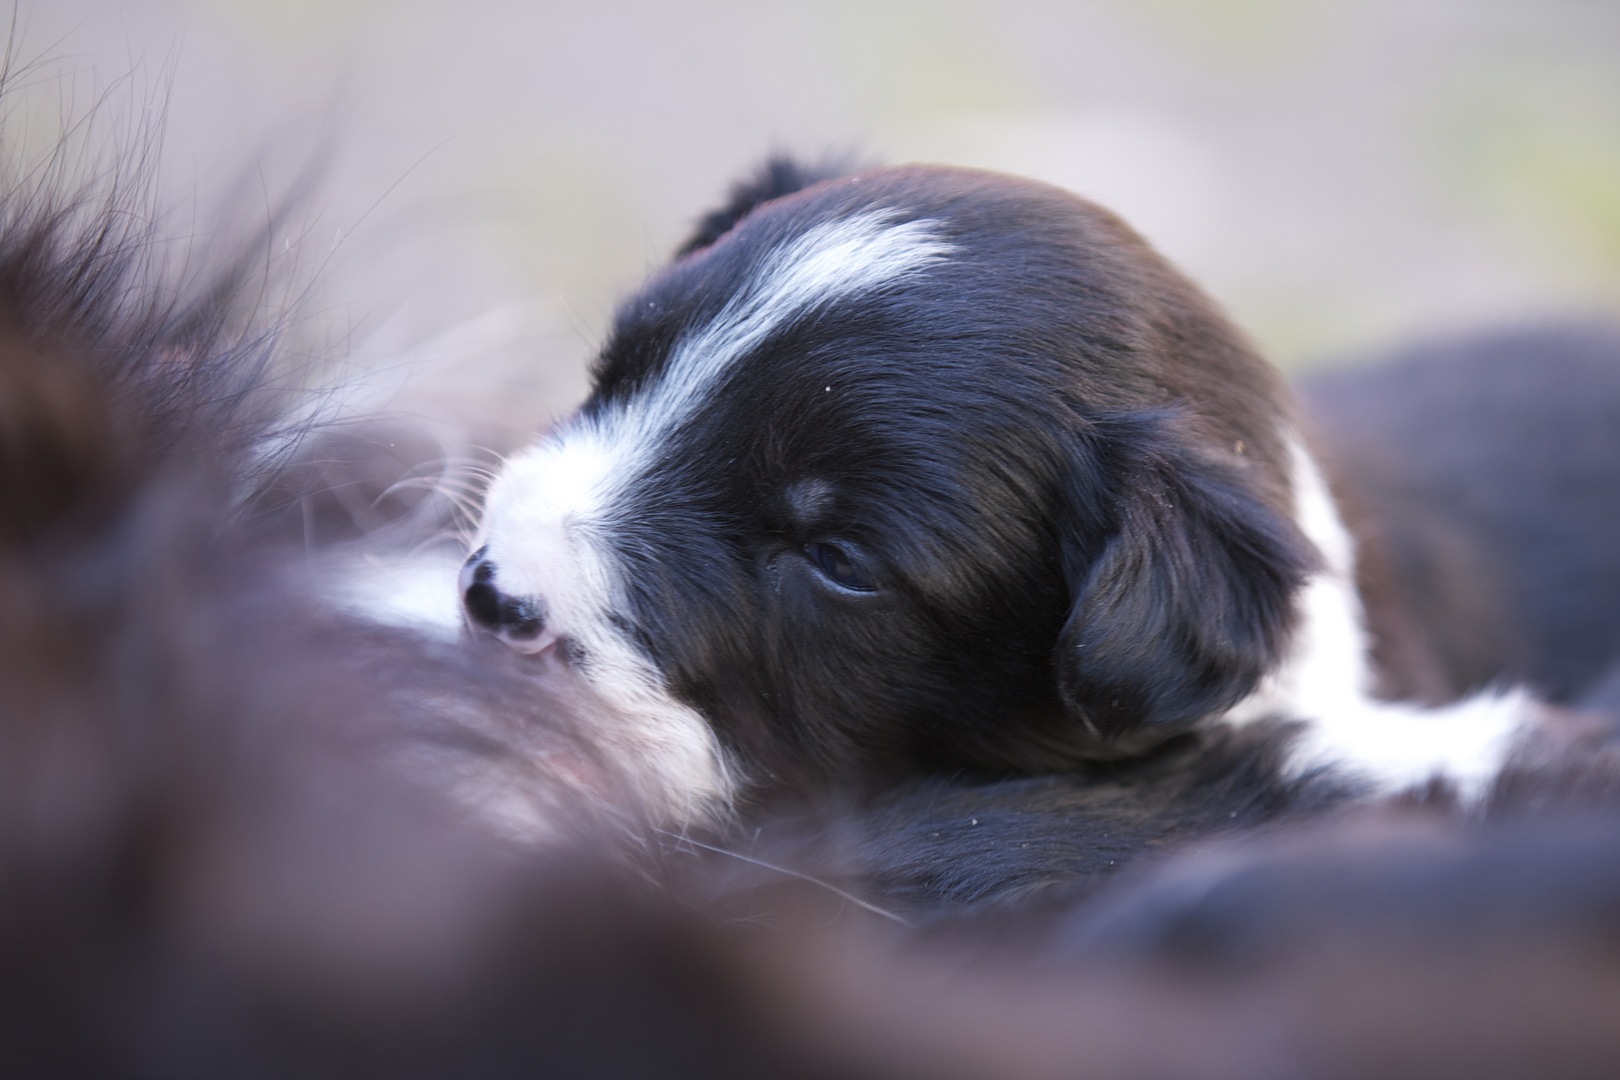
x=1341 y=174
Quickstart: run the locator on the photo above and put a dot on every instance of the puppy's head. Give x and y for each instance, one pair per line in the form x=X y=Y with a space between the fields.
x=914 y=469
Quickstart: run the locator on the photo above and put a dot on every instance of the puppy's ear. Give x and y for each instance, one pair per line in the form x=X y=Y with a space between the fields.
x=1187 y=602
x=780 y=175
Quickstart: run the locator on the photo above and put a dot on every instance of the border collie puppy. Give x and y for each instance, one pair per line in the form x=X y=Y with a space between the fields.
x=933 y=472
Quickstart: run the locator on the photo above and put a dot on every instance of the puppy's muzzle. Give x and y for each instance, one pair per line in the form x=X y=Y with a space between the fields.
x=519 y=621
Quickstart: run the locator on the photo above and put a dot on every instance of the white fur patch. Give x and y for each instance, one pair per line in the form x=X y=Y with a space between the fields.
x=416 y=590
x=550 y=514
x=833 y=261
x=1326 y=682
x=543 y=531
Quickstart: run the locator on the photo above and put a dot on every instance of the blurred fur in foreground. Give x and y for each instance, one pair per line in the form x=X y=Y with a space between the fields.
x=235 y=838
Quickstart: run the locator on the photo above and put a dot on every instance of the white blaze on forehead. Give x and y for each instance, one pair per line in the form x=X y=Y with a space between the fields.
x=551 y=514
x=832 y=261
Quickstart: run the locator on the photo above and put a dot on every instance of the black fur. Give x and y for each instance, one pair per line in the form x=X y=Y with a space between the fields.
x=1604 y=695
x=939 y=845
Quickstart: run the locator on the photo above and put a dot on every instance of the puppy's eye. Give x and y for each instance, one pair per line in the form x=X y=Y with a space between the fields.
x=839 y=567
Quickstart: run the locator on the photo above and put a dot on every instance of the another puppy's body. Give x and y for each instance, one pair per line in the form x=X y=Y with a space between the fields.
x=1483 y=476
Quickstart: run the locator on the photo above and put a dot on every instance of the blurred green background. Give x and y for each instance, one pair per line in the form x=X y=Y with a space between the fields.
x=1340 y=174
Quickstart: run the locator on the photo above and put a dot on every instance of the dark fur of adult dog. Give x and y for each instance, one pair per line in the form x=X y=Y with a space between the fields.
x=226 y=846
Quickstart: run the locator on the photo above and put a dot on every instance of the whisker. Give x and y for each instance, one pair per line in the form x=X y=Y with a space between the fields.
x=835 y=890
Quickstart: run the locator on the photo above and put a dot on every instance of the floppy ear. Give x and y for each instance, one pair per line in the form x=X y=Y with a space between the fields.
x=1187 y=603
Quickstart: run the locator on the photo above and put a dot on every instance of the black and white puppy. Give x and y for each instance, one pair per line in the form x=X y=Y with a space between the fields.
x=931 y=471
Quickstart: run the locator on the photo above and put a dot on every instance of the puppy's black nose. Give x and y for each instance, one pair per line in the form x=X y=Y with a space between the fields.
x=483 y=600
x=510 y=617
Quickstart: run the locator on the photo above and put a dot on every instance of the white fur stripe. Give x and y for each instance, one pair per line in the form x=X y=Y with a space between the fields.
x=830 y=262
x=833 y=261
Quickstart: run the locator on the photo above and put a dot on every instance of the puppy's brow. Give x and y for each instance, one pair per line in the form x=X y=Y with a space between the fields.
x=808 y=499
x=833 y=261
